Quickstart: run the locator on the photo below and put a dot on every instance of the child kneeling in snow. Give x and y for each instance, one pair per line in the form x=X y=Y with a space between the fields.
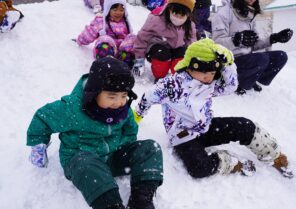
x=98 y=136
x=9 y=16
x=112 y=32
x=164 y=38
x=207 y=70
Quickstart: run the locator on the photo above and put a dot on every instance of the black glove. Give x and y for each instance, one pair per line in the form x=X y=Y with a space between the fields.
x=282 y=36
x=247 y=38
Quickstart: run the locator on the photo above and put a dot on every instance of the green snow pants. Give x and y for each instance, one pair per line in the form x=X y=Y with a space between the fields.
x=93 y=175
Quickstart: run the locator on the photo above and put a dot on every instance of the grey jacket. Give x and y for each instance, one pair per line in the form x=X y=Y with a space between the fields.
x=227 y=22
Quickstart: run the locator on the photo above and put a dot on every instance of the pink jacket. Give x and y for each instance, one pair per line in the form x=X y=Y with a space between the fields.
x=114 y=37
x=155 y=30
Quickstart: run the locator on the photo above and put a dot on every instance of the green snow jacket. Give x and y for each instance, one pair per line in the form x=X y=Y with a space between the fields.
x=77 y=131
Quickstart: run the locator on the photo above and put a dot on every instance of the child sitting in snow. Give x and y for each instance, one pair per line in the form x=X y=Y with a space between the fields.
x=112 y=32
x=206 y=71
x=164 y=38
x=9 y=16
x=98 y=136
x=95 y=5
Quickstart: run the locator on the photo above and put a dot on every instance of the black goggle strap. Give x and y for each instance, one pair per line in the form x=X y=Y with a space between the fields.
x=201 y=66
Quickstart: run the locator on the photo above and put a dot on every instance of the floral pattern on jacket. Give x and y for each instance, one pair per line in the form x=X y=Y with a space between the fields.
x=186 y=103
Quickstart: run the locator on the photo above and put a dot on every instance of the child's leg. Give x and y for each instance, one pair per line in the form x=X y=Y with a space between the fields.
x=222 y=131
x=225 y=130
x=201 y=21
x=264 y=146
x=196 y=160
x=126 y=50
x=104 y=46
x=143 y=160
x=160 y=58
x=103 y=50
x=177 y=55
x=277 y=60
x=127 y=57
x=92 y=176
x=250 y=67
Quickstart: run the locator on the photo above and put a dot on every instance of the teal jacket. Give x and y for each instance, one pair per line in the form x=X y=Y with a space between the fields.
x=77 y=131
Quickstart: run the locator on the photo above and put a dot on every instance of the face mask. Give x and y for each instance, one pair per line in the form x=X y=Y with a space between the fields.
x=177 y=21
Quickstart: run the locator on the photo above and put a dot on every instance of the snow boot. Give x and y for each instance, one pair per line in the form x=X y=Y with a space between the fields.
x=257 y=87
x=103 y=50
x=117 y=206
x=266 y=148
x=128 y=58
x=281 y=164
x=245 y=168
x=230 y=164
x=160 y=68
x=142 y=196
x=240 y=91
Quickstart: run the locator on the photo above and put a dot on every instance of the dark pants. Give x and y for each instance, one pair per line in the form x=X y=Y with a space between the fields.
x=261 y=67
x=163 y=53
x=222 y=131
x=93 y=176
x=202 y=23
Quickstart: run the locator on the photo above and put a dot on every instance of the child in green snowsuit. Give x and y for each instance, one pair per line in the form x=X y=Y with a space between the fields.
x=98 y=136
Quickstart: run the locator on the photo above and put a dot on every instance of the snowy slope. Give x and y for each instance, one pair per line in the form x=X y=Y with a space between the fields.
x=39 y=64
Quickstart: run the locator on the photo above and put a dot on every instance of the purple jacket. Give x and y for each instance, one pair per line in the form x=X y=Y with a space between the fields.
x=155 y=30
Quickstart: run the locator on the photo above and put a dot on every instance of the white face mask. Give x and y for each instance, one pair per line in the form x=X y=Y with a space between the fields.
x=177 y=21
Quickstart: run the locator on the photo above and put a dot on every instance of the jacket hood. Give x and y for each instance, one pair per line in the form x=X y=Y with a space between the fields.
x=107 y=5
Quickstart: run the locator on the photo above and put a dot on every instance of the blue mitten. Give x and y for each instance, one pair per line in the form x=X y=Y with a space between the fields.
x=38 y=156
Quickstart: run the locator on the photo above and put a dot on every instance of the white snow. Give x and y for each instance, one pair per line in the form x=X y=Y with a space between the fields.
x=40 y=63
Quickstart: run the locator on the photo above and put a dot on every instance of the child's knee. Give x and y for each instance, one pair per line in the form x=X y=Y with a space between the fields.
x=103 y=50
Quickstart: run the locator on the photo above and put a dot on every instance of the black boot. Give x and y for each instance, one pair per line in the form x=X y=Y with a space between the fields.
x=142 y=196
x=117 y=206
x=257 y=87
x=240 y=91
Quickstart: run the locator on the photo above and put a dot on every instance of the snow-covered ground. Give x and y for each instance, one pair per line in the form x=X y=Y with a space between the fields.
x=40 y=63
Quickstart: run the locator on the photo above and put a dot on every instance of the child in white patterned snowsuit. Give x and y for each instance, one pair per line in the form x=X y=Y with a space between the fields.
x=207 y=71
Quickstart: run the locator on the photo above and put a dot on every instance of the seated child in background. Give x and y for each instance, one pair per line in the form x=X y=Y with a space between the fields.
x=112 y=32
x=206 y=71
x=164 y=38
x=98 y=136
x=95 y=5
x=149 y=4
x=152 y=4
x=9 y=16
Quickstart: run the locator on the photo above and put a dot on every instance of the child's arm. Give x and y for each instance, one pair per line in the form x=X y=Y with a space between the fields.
x=228 y=82
x=91 y=32
x=145 y=35
x=154 y=96
x=221 y=28
x=49 y=119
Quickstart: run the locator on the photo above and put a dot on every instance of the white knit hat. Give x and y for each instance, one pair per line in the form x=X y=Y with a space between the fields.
x=107 y=5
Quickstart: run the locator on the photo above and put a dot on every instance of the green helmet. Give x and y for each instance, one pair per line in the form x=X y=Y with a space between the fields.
x=204 y=56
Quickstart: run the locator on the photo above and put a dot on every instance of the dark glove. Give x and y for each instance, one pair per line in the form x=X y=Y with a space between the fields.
x=282 y=36
x=247 y=38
